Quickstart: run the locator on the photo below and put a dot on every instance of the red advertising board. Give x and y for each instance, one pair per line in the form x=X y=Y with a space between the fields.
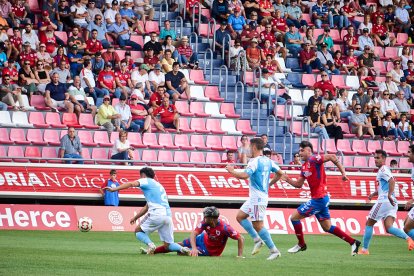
x=180 y=184
x=64 y=217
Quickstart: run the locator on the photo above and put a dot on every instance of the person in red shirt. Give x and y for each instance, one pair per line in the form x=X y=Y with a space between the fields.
x=156 y=98
x=314 y=172
x=10 y=69
x=266 y=10
x=378 y=13
x=185 y=54
x=140 y=115
x=296 y=161
x=348 y=11
x=169 y=117
x=229 y=159
x=249 y=32
x=44 y=25
x=19 y=13
x=16 y=42
x=106 y=80
x=380 y=34
x=267 y=34
x=93 y=45
x=279 y=25
x=351 y=41
x=123 y=79
x=150 y=59
x=309 y=60
x=351 y=62
x=325 y=84
x=28 y=55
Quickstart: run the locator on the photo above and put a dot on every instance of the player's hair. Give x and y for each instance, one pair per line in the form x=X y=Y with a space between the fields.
x=393 y=162
x=411 y=147
x=382 y=152
x=148 y=172
x=258 y=143
x=211 y=212
x=111 y=172
x=305 y=144
x=263 y=135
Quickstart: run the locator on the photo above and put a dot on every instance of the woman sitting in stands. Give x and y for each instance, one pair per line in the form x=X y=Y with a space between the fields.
x=375 y=120
x=122 y=149
x=315 y=123
x=331 y=123
x=42 y=76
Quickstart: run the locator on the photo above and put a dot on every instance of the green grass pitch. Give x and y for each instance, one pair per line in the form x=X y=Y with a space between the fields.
x=116 y=253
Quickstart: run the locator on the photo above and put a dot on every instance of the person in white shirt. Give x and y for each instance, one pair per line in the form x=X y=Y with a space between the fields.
x=402 y=17
x=141 y=75
x=88 y=82
x=344 y=105
x=156 y=77
x=139 y=93
x=122 y=150
x=79 y=99
x=391 y=129
x=79 y=13
x=126 y=117
x=110 y=13
x=387 y=105
x=401 y=103
x=405 y=127
x=388 y=85
x=28 y=35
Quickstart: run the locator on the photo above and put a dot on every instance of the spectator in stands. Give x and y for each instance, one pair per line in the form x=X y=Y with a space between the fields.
x=376 y=122
x=220 y=10
x=169 y=117
x=365 y=41
x=253 y=55
x=65 y=15
x=222 y=37
x=88 y=82
x=344 y=105
x=373 y=102
x=79 y=99
x=110 y=198
x=321 y=15
x=76 y=60
x=397 y=72
x=5 y=11
x=154 y=45
x=296 y=161
x=409 y=74
x=128 y=16
x=64 y=73
x=139 y=92
x=168 y=45
x=50 y=7
x=366 y=62
x=362 y=99
x=10 y=69
x=111 y=56
x=60 y=55
x=144 y=9
x=140 y=114
x=394 y=164
x=293 y=40
x=44 y=56
x=391 y=129
x=71 y=147
x=406 y=89
x=236 y=22
x=141 y=76
x=366 y=24
x=236 y=61
x=18 y=13
x=108 y=117
x=381 y=35
x=389 y=85
x=50 y=39
x=121 y=33
x=186 y=57
x=327 y=60
x=265 y=139
x=56 y=95
x=93 y=11
x=100 y=27
x=236 y=3
x=156 y=77
x=360 y=124
x=106 y=80
x=98 y=64
x=339 y=62
x=402 y=105
x=269 y=91
x=295 y=16
x=249 y=32
x=316 y=124
x=28 y=55
x=177 y=83
x=244 y=152
x=279 y=26
x=123 y=79
x=110 y=13
x=189 y=4
x=79 y=13
x=27 y=79
x=93 y=45
x=156 y=98
x=325 y=84
x=229 y=158
x=16 y=43
x=150 y=59
x=167 y=61
x=329 y=99
x=405 y=127
x=389 y=17
x=309 y=36
x=325 y=38
x=349 y=13
x=351 y=41
x=330 y=121
x=402 y=17
x=10 y=93
x=29 y=35
x=42 y=76
x=309 y=60
x=167 y=31
x=126 y=117
x=268 y=34
x=251 y=8
x=121 y=149
x=266 y=10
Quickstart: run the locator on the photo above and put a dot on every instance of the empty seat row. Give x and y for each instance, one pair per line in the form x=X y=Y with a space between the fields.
x=361 y=163
x=207 y=109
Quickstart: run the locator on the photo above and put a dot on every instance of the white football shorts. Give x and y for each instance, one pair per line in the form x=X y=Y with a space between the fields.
x=255 y=212
x=163 y=224
x=382 y=210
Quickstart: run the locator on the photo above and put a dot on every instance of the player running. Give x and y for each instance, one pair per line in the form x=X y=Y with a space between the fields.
x=258 y=171
x=313 y=171
x=409 y=221
x=210 y=236
x=158 y=209
x=386 y=207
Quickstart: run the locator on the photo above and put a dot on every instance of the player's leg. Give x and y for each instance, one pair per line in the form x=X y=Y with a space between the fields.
x=409 y=224
x=303 y=211
x=201 y=246
x=388 y=223
x=373 y=217
x=335 y=230
x=141 y=233
x=166 y=233
x=242 y=218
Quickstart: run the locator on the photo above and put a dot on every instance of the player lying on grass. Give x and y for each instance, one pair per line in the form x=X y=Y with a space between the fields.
x=158 y=212
x=210 y=236
x=314 y=172
x=409 y=221
x=386 y=207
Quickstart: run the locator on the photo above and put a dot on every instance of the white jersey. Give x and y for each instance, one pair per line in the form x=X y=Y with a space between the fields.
x=383 y=177
x=155 y=196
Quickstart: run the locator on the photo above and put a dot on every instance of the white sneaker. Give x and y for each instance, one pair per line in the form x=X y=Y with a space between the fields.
x=185 y=250
x=274 y=256
x=143 y=250
x=257 y=246
x=151 y=249
x=355 y=247
x=297 y=248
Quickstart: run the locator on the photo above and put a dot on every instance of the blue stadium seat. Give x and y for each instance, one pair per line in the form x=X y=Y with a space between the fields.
x=296 y=80
x=293 y=64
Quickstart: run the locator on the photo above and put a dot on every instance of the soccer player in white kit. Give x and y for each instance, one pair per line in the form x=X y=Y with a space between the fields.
x=258 y=171
x=386 y=207
x=409 y=221
x=158 y=209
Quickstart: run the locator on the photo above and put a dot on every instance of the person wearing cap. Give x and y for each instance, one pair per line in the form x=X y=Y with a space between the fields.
x=44 y=56
x=220 y=10
x=126 y=117
x=56 y=95
x=100 y=26
x=93 y=11
x=88 y=82
x=406 y=89
x=119 y=30
x=235 y=22
x=295 y=16
x=79 y=13
x=79 y=99
x=108 y=117
x=186 y=56
x=144 y=9
x=253 y=55
x=169 y=116
x=111 y=12
x=365 y=40
x=389 y=85
x=156 y=77
x=177 y=83
x=30 y=36
x=140 y=114
x=123 y=79
x=325 y=38
x=153 y=44
x=167 y=31
x=129 y=16
x=93 y=45
x=320 y=14
x=308 y=59
x=233 y=4
x=327 y=60
x=141 y=76
x=293 y=41
x=222 y=37
x=76 y=60
x=106 y=80
x=28 y=55
x=110 y=55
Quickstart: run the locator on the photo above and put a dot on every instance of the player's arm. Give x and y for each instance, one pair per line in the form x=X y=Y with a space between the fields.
x=239 y=175
x=409 y=203
x=141 y=212
x=334 y=159
x=295 y=183
x=240 y=246
x=123 y=186
x=391 y=184
x=372 y=195
x=278 y=175
x=193 y=236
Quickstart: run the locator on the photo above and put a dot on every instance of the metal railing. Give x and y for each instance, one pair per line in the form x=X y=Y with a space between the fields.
x=273 y=118
x=255 y=100
x=164 y=3
x=239 y=67
x=211 y=63
x=195 y=50
x=226 y=78
x=180 y=19
x=198 y=6
x=259 y=90
x=223 y=51
x=236 y=95
x=287 y=134
x=212 y=22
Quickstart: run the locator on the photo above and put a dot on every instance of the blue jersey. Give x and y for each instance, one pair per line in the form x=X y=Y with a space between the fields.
x=259 y=169
x=111 y=198
x=155 y=196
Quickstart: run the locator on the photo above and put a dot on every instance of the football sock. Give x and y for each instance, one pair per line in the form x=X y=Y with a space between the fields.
x=265 y=235
x=299 y=232
x=248 y=226
x=341 y=234
x=411 y=233
x=174 y=247
x=161 y=249
x=397 y=232
x=141 y=236
x=367 y=236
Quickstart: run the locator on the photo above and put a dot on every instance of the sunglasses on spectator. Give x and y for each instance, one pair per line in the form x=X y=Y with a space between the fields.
x=357 y=108
x=324 y=75
x=27 y=63
x=7 y=79
x=386 y=94
x=296 y=155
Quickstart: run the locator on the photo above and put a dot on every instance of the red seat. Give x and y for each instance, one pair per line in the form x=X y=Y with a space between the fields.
x=203 y=30
x=339 y=82
x=379 y=52
x=86 y=120
x=344 y=146
x=280 y=112
x=33 y=152
x=150 y=156
x=361 y=161
x=198 y=77
x=228 y=110
x=70 y=120
x=181 y=141
x=18 y=136
x=248 y=78
x=197 y=158
x=345 y=130
x=86 y=138
x=213 y=94
x=402 y=39
x=51 y=136
x=3 y=155
x=198 y=125
x=182 y=158
x=371 y=163
x=328 y=145
x=49 y=152
x=213 y=125
x=183 y=108
x=214 y=142
x=53 y=119
x=135 y=140
x=150 y=140
x=100 y=154
x=373 y=145
x=62 y=35
x=184 y=126
x=296 y=129
x=86 y=155
x=102 y=139
x=197 y=141
x=34 y=6
x=37 y=119
x=403 y=147
x=308 y=79
x=213 y=157
x=315 y=144
x=165 y=140
x=334 y=33
x=167 y=158
x=245 y=127
x=198 y=109
x=38 y=101
x=35 y=137
x=308 y=19
x=17 y=154
x=404 y=163
x=391 y=53
x=349 y=163
x=4 y=137
x=152 y=26
x=390 y=148
x=229 y=142
x=138 y=39
x=360 y=147
x=380 y=66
